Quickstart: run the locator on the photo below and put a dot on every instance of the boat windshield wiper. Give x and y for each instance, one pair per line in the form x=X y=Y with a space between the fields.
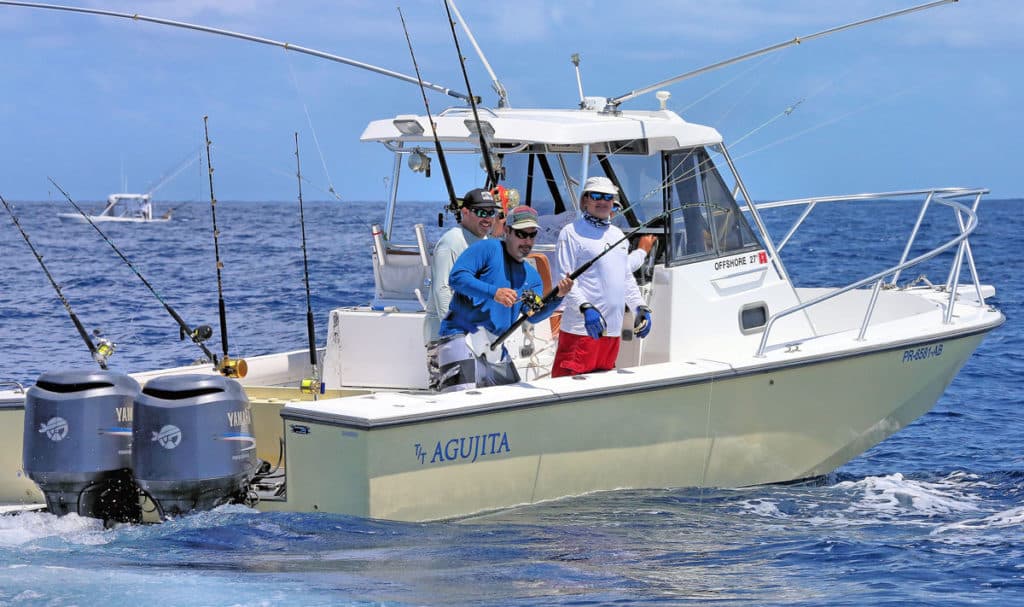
x=241 y=36
x=613 y=103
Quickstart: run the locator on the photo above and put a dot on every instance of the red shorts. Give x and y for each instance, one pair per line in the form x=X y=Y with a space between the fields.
x=582 y=354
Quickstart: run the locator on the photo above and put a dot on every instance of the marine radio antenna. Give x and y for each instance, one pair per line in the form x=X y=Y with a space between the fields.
x=613 y=103
x=496 y=84
x=231 y=34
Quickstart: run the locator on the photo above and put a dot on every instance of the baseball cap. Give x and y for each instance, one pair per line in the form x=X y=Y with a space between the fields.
x=522 y=217
x=601 y=185
x=479 y=198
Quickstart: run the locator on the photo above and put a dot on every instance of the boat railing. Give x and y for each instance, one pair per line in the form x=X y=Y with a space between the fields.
x=949 y=197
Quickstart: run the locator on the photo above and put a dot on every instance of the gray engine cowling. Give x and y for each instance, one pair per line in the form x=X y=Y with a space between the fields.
x=194 y=446
x=77 y=442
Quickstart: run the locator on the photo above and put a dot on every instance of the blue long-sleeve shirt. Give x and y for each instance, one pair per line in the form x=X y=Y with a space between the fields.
x=476 y=276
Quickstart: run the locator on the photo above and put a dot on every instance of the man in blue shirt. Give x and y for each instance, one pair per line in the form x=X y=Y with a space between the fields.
x=489 y=280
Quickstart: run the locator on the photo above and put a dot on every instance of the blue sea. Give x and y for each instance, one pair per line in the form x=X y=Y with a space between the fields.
x=932 y=516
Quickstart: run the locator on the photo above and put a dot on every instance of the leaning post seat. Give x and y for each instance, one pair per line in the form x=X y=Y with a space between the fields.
x=399 y=272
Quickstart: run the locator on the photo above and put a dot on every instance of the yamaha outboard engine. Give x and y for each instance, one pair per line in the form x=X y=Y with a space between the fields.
x=77 y=443
x=194 y=447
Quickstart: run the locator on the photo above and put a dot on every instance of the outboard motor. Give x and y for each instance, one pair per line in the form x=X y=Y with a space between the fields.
x=194 y=447
x=77 y=443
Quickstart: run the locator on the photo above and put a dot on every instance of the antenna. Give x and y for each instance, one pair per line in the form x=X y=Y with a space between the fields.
x=496 y=84
x=579 y=81
x=613 y=103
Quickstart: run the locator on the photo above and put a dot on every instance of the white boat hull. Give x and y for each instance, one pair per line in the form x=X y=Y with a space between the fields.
x=77 y=218
x=717 y=428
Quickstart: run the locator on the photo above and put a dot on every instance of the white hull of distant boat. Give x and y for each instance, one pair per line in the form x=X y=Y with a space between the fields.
x=745 y=379
x=77 y=218
x=121 y=208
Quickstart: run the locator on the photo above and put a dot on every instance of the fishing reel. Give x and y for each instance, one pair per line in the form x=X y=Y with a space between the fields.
x=233 y=367
x=104 y=348
x=312 y=385
x=532 y=302
x=198 y=335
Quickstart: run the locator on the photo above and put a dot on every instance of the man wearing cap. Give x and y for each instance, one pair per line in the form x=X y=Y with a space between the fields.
x=476 y=217
x=489 y=280
x=592 y=320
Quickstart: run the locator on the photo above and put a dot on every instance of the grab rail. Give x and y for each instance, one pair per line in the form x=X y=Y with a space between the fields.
x=944 y=196
x=18 y=388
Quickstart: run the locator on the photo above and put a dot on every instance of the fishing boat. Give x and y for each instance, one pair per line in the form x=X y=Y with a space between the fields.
x=121 y=208
x=748 y=378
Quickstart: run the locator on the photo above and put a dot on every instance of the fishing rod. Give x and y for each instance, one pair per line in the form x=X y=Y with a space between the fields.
x=532 y=306
x=309 y=385
x=613 y=103
x=99 y=353
x=492 y=176
x=228 y=366
x=197 y=335
x=231 y=34
x=453 y=200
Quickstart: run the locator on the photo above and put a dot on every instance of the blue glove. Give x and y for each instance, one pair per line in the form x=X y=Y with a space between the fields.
x=642 y=326
x=593 y=320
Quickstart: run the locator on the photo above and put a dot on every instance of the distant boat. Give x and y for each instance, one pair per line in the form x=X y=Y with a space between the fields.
x=134 y=208
x=122 y=208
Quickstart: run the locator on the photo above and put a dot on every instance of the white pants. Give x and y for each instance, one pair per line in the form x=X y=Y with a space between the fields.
x=466 y=361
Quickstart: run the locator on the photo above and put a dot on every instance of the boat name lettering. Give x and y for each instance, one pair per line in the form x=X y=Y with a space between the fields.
x=124 y=414
x=239 y=418
x=465 y=448
x=916 y=354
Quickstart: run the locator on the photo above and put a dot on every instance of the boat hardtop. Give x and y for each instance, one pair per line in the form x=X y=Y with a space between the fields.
x=658 y=129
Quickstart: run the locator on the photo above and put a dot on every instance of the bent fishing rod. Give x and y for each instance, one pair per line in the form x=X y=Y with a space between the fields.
x=453 y=200
x=492 y=176
x=241 y=36
x=612 y=103
x=230 y=367
x=528 y=311
x=197 y=335
x=99 y=353
x=309 y=385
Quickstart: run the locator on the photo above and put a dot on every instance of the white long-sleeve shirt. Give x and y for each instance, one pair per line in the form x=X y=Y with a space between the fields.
x=448 y=248
x=608 y=285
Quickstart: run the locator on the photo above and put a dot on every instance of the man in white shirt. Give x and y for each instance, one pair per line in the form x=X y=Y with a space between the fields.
x=476 y=217
x=592 y=320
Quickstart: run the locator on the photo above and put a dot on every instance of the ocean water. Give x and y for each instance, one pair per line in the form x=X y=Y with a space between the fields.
x=932 y=516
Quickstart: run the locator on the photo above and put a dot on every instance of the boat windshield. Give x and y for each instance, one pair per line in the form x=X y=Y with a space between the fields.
x=705 y=220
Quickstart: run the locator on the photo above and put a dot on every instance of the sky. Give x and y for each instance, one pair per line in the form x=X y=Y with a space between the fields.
x=103 y=104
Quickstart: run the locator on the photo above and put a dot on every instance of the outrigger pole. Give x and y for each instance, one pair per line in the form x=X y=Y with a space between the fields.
x=452 y=198
x=492 y=176
x=309 y=385
x=613 y=103
x=241 y=36
x=228 y=366
x=197 y=335
x=105 y=349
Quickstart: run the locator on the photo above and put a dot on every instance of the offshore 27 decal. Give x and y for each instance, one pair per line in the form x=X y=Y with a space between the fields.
x=464 y=448
x=753 y=259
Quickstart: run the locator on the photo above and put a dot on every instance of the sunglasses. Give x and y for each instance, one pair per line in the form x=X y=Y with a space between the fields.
x=484 y=213
x=524 y=235
x=598 y=196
